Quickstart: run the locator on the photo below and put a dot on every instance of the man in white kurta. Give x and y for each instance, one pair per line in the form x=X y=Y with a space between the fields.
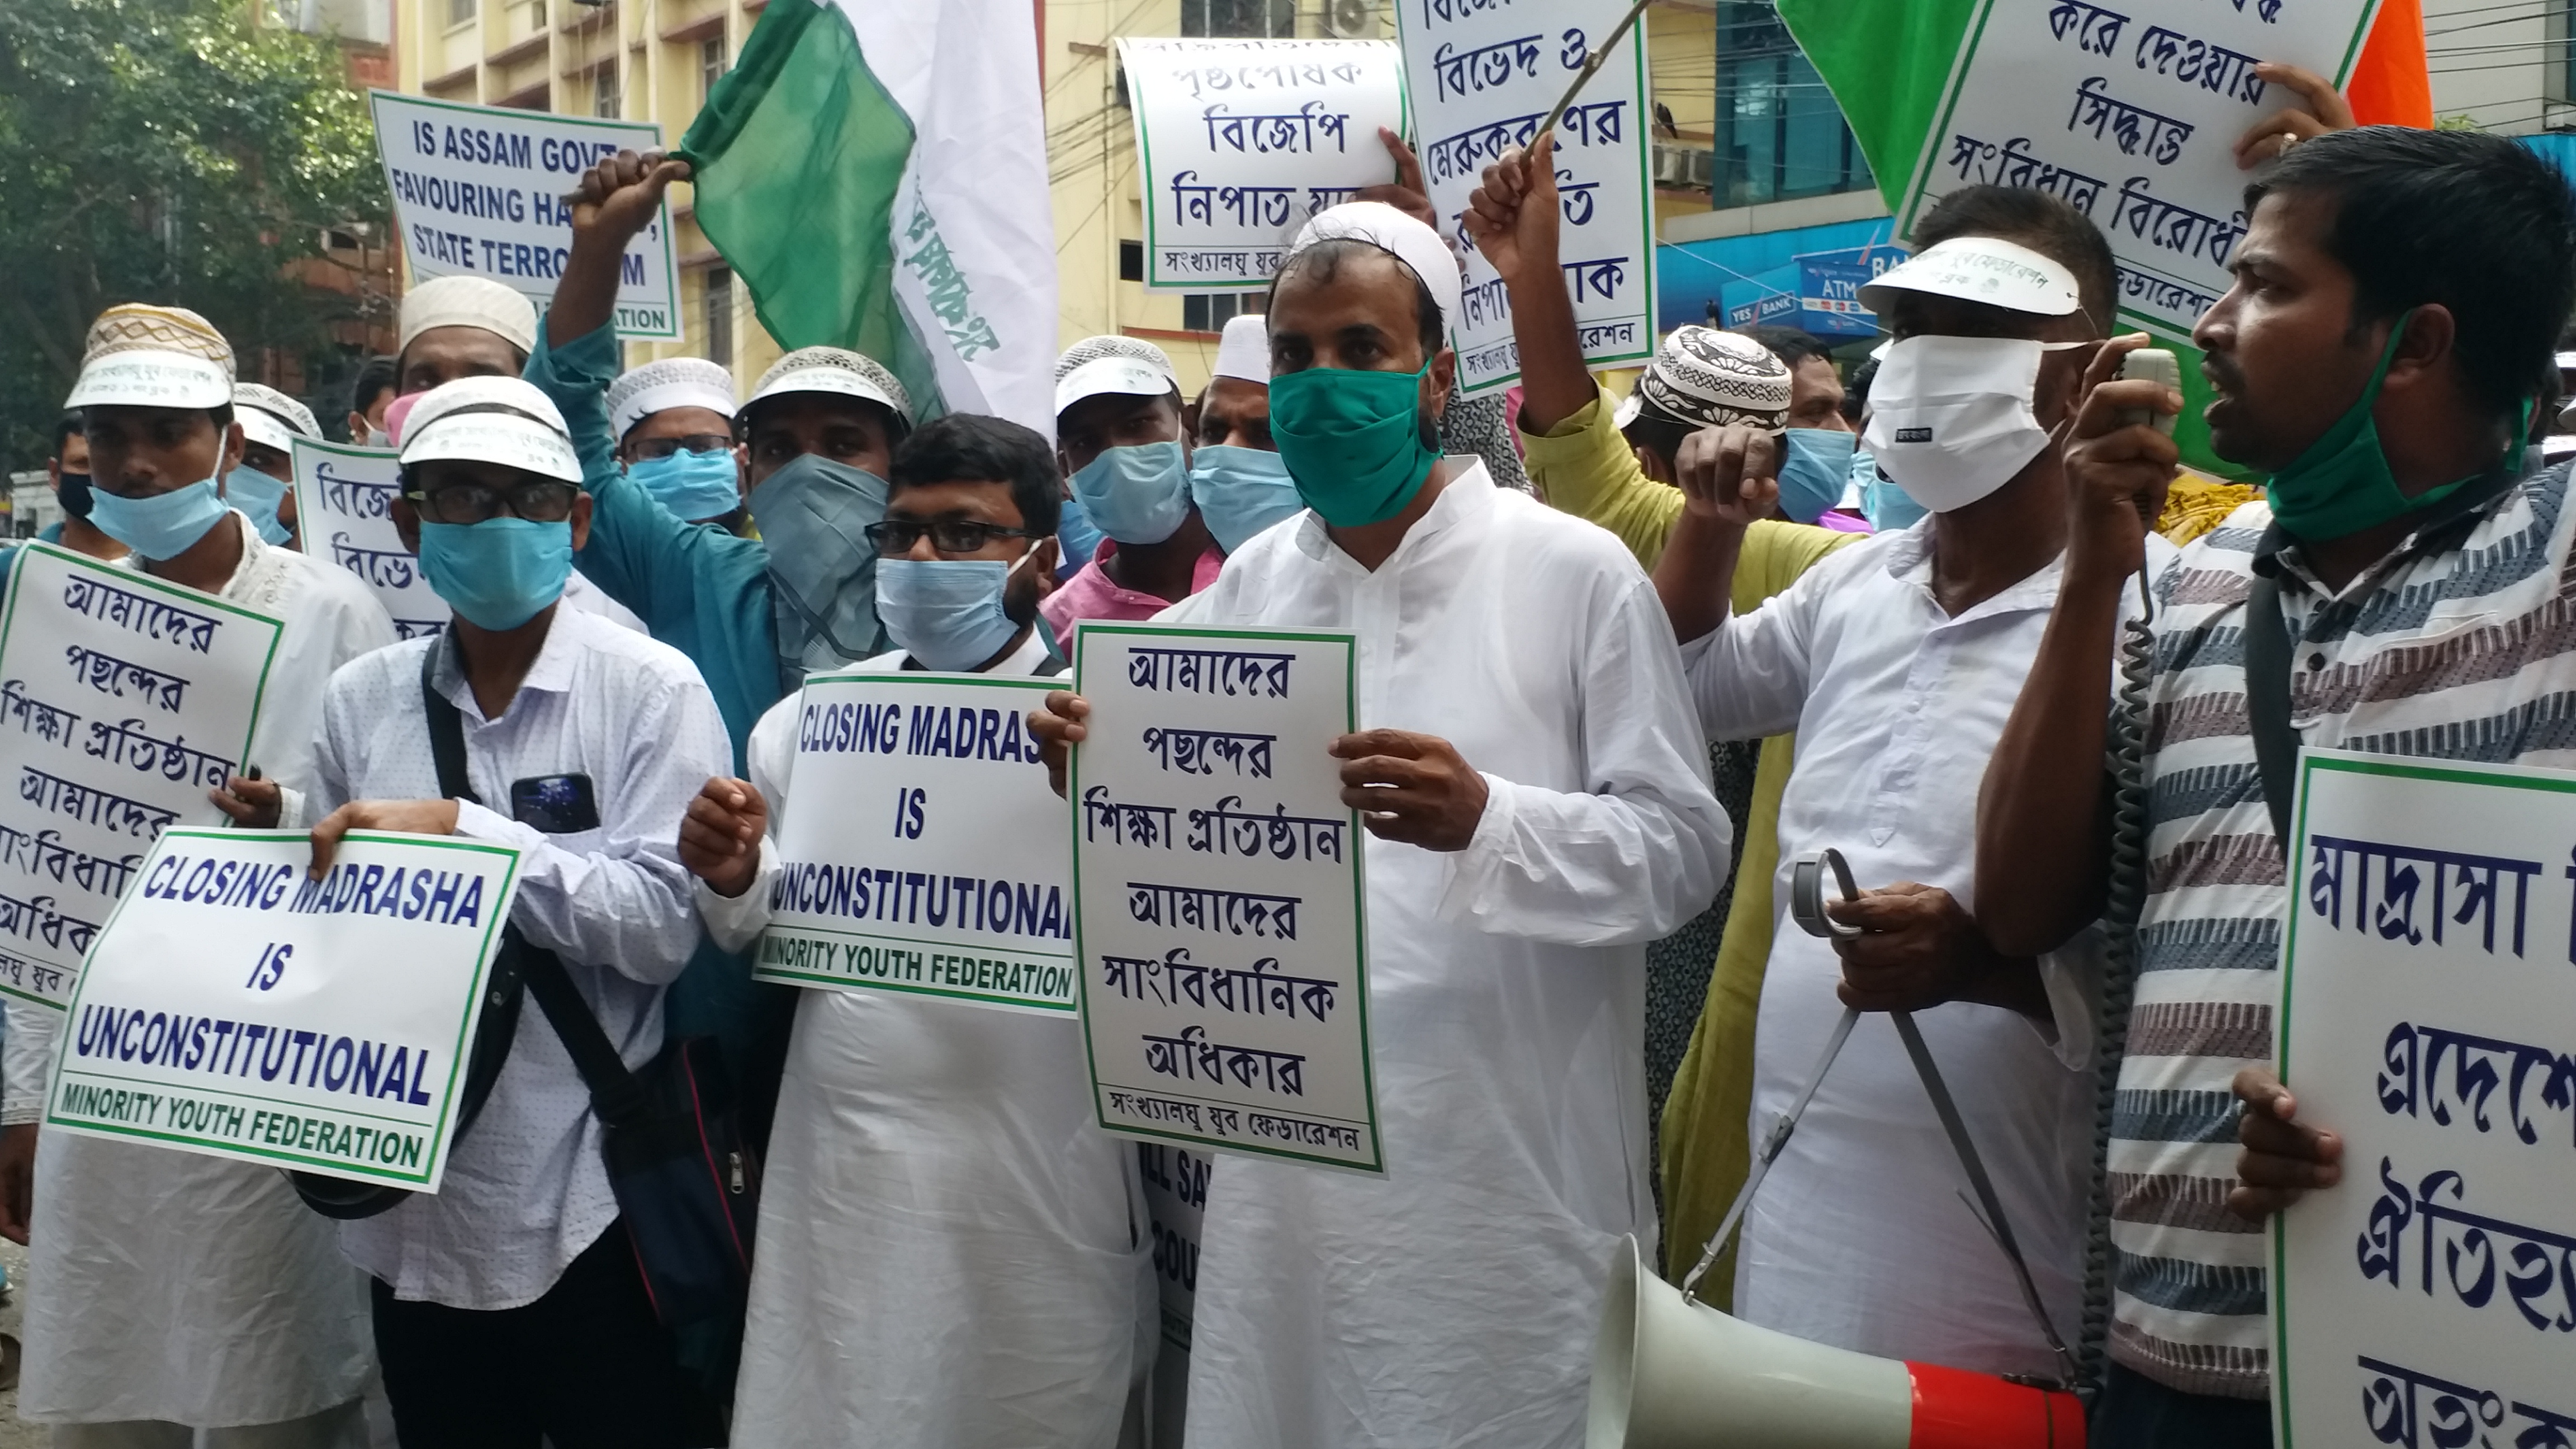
x=951 y=1253
x=1524 y=657
x=1897 y=661
x=167 y=1287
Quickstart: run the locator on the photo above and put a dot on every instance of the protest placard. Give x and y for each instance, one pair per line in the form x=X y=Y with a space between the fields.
x=2428 y=1017
x=236 y=1007
x=2131 y=114
x=1480 y=78
x=344 y=499
x=478 y=191
x=932 y=860
x=123 y=700
x=1220 y=921
x=1175 y=1183
x=1245 y=140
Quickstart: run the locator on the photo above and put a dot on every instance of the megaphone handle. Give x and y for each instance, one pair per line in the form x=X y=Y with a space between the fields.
x=1777 y=1139
x=1996 y=1223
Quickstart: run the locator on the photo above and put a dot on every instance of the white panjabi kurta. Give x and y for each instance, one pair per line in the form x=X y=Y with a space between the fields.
x=951 y=1252
x=1860 y=1237
x=166 y=1285
x=1455 y=1300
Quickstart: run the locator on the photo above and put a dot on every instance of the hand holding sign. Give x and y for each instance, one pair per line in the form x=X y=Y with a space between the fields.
x=2321 y=108
x=1412 y=788
x=1408 y=193
x=406 y=817
x=1058 y=725
x=2283 y=1158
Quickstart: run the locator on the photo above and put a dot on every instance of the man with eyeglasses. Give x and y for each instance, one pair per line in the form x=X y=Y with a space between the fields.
x=673 y=420
x=929 y=1152
x=510 y=1303
x=170 y=1292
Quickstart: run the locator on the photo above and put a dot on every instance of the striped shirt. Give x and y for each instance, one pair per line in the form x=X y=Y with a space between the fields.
x=2460 y=644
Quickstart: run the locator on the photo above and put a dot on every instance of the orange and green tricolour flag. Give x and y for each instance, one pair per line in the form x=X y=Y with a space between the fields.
x=875 y=173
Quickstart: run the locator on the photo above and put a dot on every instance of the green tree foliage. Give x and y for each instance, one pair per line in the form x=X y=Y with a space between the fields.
x=166 y=151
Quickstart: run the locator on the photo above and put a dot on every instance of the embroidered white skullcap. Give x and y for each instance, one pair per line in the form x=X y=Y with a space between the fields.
x=673 y=382
x=1126 y=365
x=468 y=302
x=1979 y=269
x=1706 y=378
x=155 y=357
x=271 y=418
x=834 y=370
x=1382 y=226
x=1244 y=351
x=503 y=420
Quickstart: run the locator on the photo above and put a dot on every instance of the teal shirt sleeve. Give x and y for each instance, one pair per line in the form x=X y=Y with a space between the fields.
x=697 y=587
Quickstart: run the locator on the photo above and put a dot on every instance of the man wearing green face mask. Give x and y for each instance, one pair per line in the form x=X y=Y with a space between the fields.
x=1537 y=786
x=2392 y=319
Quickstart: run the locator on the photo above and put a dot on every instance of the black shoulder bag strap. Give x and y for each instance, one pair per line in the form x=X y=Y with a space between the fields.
x=500 y=1022
x=612 y=1087
x=2267 y=701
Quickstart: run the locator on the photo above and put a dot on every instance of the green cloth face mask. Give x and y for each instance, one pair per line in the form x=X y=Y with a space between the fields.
x=2341 y=484
x=1352 y=440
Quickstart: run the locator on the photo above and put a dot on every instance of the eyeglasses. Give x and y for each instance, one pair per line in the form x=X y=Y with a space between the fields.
x=541 y=502
x=651 y=448
x=896 y=536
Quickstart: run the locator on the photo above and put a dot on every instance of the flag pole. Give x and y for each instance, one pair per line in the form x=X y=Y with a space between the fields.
x=1591 y=64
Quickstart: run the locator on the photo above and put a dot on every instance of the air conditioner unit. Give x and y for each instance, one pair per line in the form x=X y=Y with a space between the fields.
x=1683 y=167
x=1351 y=19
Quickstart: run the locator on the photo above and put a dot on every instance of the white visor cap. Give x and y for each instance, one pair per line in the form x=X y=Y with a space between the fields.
x=1126 y=375
x=1980 y=269
x=500 y=420
x=272 y=419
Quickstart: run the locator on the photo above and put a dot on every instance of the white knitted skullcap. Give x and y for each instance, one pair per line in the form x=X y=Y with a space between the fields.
x=1389 y=230
x=468 y=302
x=1244 y=351
x=673 y=382
x=834 y=370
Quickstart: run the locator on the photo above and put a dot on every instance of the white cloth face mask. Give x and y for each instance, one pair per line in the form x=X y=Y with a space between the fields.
x=1950 y=417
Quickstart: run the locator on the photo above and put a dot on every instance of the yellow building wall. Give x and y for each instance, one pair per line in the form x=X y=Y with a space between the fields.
x=549 y=54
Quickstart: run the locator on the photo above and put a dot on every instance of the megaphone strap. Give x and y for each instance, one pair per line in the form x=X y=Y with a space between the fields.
x=1807 y=885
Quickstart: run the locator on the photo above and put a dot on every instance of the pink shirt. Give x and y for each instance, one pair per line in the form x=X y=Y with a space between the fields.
x=1091 y=594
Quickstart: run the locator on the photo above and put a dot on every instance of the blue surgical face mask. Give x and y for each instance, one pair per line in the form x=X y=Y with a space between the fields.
x=1815 y=468
x=948 y=612
x=1241 y=491
x=694 y=486
x=164 y=525
x=1136 y=494
x=257 y=495
x=1077 y=539
x=1887 y=506
x=814 y=516
x=498 y=573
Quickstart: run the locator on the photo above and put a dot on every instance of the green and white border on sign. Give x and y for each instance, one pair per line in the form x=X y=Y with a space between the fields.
x=955 y=968
x=1359 y=988
x=459 y=1044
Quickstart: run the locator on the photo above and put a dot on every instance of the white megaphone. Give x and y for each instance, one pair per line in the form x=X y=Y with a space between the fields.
x=1672 y=1373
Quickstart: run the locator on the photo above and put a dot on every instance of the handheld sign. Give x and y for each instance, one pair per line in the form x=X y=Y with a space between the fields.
x=478 y=191
x=930 y=859
x=1481 y=77
x=344 y=498
x=1245 y=140
x=2428 y=1017
x=123 y=700
x=238 y=1008
x=2130 y=113
x=1221 y=920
